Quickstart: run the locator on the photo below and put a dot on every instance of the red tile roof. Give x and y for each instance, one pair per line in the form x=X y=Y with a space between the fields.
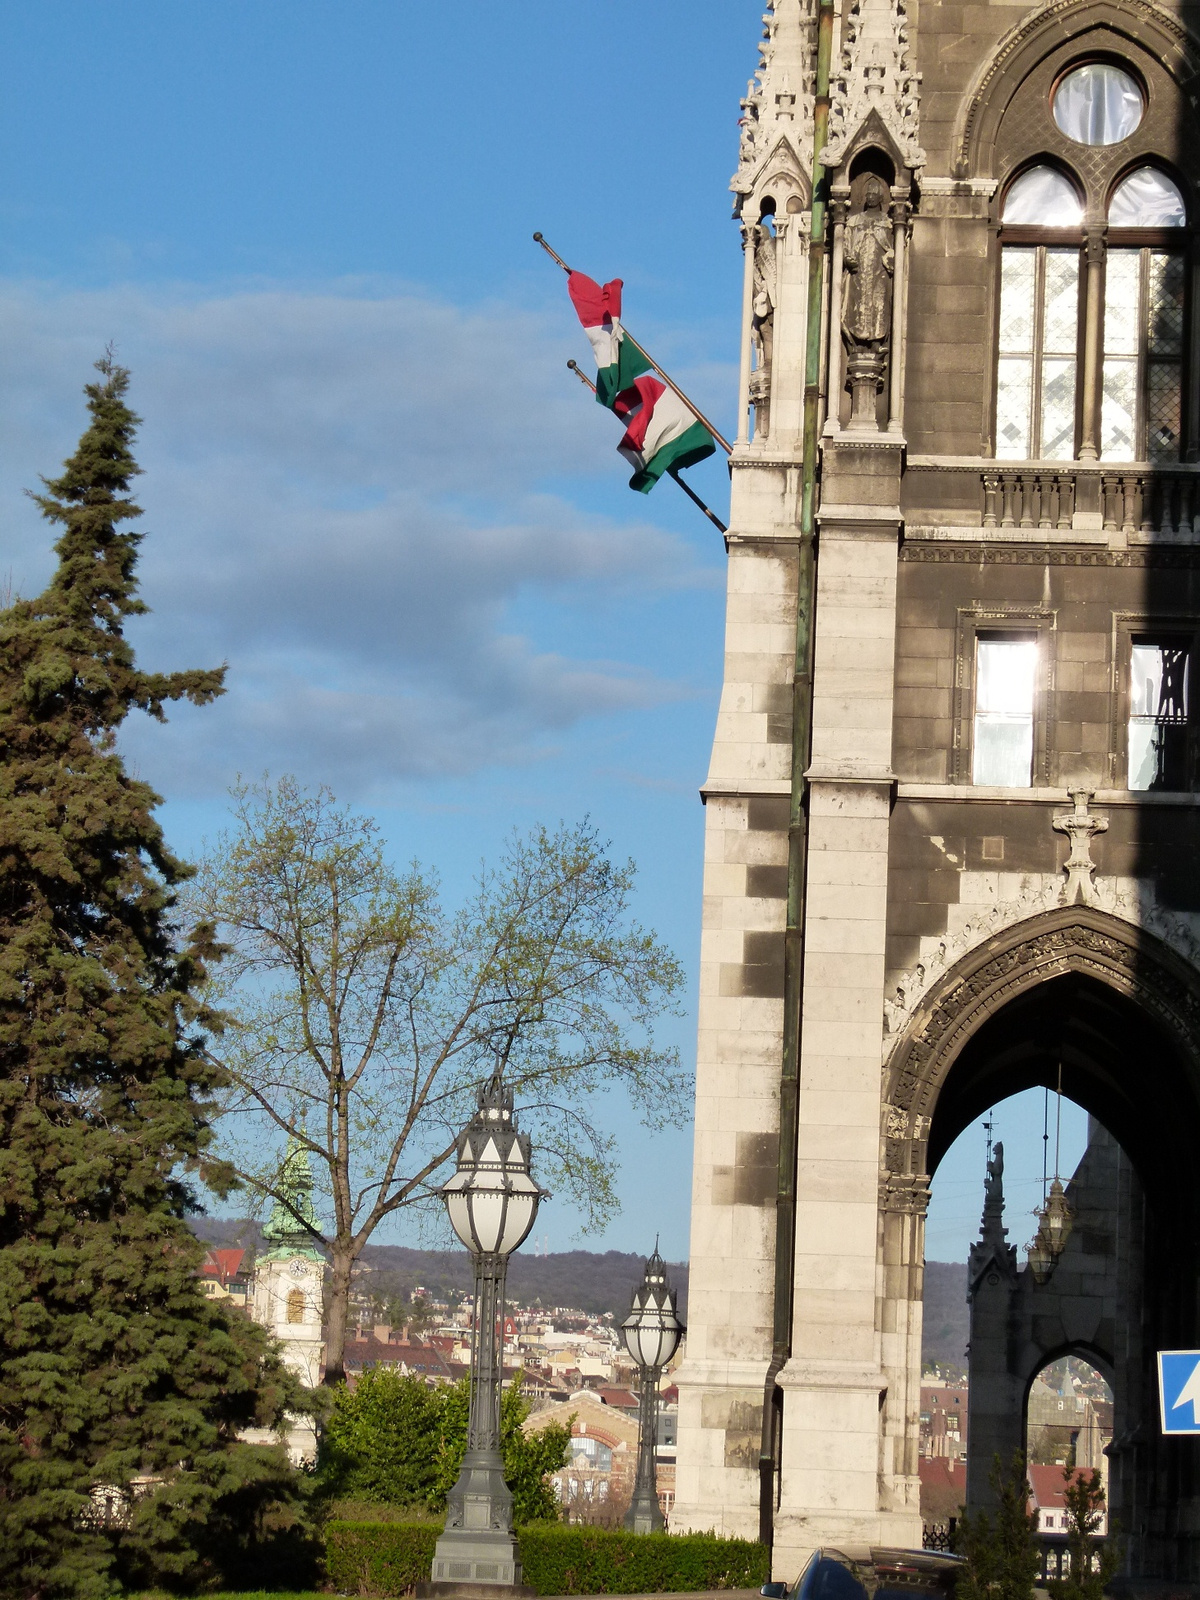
x=222 y=1265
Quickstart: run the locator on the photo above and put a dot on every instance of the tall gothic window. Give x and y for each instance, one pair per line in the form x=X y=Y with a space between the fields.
x=1141 y=412
x=1124 y=402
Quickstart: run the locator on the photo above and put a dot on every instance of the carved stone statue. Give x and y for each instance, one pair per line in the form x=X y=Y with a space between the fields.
x=762 y=325
x=868 y=261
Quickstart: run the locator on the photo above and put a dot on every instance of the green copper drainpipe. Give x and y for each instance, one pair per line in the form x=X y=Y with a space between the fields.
x=793 y=949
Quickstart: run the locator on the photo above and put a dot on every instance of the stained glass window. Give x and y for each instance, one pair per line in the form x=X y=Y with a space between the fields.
x=1004 y=685
x=1035 y=370
x=1098 y=104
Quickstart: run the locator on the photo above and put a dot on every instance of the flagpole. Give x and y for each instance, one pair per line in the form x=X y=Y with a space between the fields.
x=670 y=382
x=671 y=472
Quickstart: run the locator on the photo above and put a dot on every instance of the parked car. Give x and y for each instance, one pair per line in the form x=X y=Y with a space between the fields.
x=859 y=1573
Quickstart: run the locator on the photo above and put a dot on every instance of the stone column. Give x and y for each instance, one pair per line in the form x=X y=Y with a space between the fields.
x=839 y=201
x=835 y=1386
x=1093 y=345
x=899 y=283
x=740 y=1035
x=748 y=235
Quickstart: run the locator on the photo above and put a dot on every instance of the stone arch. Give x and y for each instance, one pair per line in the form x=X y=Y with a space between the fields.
x=1073 y=940
x=1135 y=27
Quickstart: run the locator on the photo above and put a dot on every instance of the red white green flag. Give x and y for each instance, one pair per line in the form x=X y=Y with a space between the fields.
x=618 y=362
x=662 y=434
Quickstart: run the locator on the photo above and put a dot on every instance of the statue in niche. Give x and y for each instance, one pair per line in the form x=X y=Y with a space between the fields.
x=762 y=325
x=868 y=262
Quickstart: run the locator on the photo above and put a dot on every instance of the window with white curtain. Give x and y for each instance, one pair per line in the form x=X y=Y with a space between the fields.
x=1005 y=672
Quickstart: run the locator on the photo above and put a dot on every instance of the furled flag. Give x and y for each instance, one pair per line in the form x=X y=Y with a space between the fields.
x=618 y=362
x=661 y=434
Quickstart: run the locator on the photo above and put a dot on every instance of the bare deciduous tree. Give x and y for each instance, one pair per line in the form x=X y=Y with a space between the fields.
x=362 y=1018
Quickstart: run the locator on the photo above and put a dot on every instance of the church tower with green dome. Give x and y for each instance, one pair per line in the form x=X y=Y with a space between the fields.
x=289 y=1278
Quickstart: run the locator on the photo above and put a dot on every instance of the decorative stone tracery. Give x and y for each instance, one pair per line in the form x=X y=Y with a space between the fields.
x=1073 y=939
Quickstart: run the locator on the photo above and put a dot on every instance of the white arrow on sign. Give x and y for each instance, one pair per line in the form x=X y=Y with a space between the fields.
x=1191 y=1392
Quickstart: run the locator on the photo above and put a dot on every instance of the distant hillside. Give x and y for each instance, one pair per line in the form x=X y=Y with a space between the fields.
x=595 y=1281
x=589 y=1280
x=945 y=1325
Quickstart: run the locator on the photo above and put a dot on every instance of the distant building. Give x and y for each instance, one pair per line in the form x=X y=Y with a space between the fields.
x=289 y=1282
x=1049 y=1499
x=944 y=1421
x=224 y=1275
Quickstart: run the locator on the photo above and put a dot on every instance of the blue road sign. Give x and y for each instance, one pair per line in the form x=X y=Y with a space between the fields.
x=1179 y=1390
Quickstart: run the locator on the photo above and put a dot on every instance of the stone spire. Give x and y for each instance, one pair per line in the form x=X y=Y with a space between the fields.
x=777 y=111
x=875 y=79
x=992 y=1252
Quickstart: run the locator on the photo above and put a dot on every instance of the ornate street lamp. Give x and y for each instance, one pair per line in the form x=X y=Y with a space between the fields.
x=652 y=1332
x=492 y=1201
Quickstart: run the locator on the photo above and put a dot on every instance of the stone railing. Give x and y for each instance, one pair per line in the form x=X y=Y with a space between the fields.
x=1145 y=500
x=1140 y=501
x=1028 y=498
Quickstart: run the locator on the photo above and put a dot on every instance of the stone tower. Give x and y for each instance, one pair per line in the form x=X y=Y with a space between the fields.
x=951 y=838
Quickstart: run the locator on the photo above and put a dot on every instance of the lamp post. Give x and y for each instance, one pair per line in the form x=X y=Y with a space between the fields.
x=652 y=1332
x=492 y=1201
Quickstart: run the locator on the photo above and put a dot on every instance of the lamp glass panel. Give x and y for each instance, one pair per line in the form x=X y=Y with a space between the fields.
x=460 y=1216
x=487 y=1213
x=1098 y=104
x=522 y=1208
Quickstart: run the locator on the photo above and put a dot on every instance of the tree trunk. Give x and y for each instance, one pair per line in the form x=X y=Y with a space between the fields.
x=338 y=1314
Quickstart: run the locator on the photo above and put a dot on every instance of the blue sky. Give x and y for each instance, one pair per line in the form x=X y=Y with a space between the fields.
x=371 y=484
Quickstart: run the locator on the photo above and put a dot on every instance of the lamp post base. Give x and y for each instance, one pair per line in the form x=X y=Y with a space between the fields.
x=476 y=1556
x=477 y=1544
x=644 y=1515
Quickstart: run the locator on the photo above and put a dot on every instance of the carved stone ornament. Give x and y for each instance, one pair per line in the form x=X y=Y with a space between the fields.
x=1068 y=939
x=775 y=126
x=868 y=262
x=875 y=75
x=1079 y=826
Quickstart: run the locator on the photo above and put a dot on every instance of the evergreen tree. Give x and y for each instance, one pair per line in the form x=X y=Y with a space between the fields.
x=1092 y=1562
x=114 y=1367
x=1001 y=1548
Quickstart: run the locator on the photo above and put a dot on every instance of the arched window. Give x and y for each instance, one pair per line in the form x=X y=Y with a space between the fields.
x=1092 y=305
x=1140 y=414
x=1039 y=321
x=295 y=1305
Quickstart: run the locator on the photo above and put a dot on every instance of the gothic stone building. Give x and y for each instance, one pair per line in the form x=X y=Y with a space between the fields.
x=951 y=838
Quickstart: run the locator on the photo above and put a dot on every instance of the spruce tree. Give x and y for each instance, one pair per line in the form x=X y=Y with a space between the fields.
x=114 y=1366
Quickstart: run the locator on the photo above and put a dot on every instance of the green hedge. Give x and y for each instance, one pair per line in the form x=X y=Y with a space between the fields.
x=561 y=1560
x=391 y=1558
x=386 y=1558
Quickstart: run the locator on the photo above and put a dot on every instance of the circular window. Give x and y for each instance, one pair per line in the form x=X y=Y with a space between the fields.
x=1098 y=104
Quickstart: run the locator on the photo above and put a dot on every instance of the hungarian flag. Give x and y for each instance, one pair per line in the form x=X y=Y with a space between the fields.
x=661 y=434
x=618 y=362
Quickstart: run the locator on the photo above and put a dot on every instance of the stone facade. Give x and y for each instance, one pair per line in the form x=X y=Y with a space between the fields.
x=894 y=936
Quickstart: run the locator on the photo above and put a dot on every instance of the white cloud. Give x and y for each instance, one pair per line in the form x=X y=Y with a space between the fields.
x=345 y=497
